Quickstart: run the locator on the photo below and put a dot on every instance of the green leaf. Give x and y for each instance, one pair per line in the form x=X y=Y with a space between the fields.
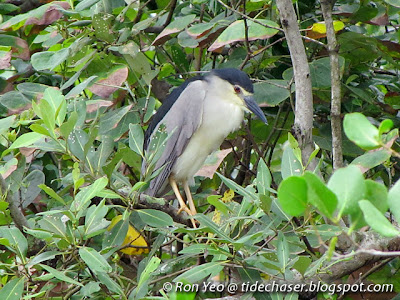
x=103 y=24
x=18 y=242
x=94 y=260
x=155 y=218
x=292 y=195
x=291 y=166
x=103 y=153
x=112 y=118
x=6 y=123
x=200 y=272
x=13 y=289
x=37 y=233
x=319 y=195
x=151 y=266
x=43 y=257
x=4 y=242
x=110 y=284
x=282 y=250
x=77 y=141
x=175 y=26
x=49 y=191
x=142 y=287
x=214 y=228
x=377 y=220
x=95 y=222
x=377 y=194
x=26 y=140
x=30 y=187
x=6 y=8
x=116 y=236
x=349 y=186
x=60 y=275
x=39 y=129
x=272 y=92
x=263 y=178
x=395 y=3
x=136 y=138
x=198 y=30
x=394 y=200
x=320 y=71
x=48 y=60
x=86 y=194
x=371 y=159
x=90 y=288
x=54 y=224
x=82 y=5
x=15 y=101
x=385 y=126
x=235 y=32
x=67 y=127
x=80 y=87
x=12 y=163
x=236 y=187
x=56 y=100
x=219 y=205
x=360 y=131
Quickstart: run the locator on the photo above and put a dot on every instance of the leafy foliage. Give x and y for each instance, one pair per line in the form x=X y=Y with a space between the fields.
x=80 y=81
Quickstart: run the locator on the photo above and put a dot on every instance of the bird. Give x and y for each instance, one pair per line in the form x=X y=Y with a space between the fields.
x=198 y=115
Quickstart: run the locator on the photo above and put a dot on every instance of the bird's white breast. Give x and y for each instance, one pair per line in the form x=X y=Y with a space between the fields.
x=221 y=116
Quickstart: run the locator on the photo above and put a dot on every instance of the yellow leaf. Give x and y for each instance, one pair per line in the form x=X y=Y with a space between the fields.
x=338 y=25
x=132 y=238
x=320 y=27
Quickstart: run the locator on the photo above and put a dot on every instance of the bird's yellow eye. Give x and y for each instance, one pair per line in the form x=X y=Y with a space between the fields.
x=237 y=89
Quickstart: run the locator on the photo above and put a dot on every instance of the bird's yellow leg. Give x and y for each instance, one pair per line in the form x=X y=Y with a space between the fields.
x=182 y=203
x=178 y=195
x=189 y=198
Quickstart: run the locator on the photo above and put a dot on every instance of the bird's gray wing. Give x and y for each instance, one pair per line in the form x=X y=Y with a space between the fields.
x=183 y=119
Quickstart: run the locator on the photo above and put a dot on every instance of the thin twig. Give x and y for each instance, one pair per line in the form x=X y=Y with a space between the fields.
x=246 y=38
x=247 y=17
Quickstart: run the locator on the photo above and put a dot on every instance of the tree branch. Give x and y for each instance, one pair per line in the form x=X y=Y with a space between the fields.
x=336 y=122
x=304 y=99
x=16 y=214
x=163 y=205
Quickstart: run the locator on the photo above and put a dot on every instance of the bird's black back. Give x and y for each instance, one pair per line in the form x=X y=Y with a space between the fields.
x=165 y=107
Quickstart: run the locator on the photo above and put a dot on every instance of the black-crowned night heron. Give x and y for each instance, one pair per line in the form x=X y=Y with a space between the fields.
x=200 y=114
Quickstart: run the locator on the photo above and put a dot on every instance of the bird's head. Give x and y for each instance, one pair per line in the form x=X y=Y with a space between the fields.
x=236 y=86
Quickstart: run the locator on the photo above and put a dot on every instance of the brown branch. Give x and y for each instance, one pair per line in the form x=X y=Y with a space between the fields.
x=16 y=214
x=336 y=122
x=246 y=39
x=170 y=14
x=365 y=255
x=163 y=205
x=304 y=99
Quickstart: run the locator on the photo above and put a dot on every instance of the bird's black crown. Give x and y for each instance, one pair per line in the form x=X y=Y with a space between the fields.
x=235 y=77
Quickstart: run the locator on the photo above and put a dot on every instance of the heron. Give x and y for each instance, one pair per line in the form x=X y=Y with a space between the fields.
x=198 y=115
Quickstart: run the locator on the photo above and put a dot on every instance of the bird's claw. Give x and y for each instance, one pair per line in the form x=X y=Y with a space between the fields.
x=189 y=212
x=186 y=209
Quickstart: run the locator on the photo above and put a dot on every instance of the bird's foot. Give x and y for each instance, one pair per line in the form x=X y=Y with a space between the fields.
x=189 y=212
x=186 y=209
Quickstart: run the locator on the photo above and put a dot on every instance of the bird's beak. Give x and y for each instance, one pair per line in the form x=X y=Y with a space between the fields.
x=253 y=107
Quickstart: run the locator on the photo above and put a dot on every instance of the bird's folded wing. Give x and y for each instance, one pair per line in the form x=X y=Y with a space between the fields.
x=183 y=118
